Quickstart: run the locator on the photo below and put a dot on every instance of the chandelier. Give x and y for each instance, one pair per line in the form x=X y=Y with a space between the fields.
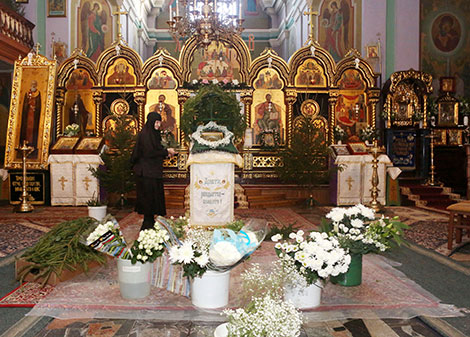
x=206 y=20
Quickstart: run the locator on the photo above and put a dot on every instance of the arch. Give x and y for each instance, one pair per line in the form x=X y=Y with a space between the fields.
x=116 y=51
x=191 y=46
x=364 y=68
x=68 y=66
x=262 y=62
x=320 y=55
x=161 y=59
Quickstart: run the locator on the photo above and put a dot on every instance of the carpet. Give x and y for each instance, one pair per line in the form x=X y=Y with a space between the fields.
x=26 y=295
x=385 y=292
x=15 y=237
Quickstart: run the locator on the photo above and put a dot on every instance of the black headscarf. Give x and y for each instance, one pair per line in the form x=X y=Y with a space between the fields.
x=149 y=138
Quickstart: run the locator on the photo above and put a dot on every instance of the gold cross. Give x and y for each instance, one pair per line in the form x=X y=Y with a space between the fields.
x=38 y=46
x=87 y=181
x=118 y=14
x=349 y=181
x=62 y=182
x=311 y=13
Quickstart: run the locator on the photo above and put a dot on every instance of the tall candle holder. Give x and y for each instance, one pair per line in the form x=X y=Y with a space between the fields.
x=25 y=205
x=432 y=181
x=375 y=204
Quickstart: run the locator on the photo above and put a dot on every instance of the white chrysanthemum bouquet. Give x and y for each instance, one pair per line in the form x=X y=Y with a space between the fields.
x=72 y=130
x=222 y=249
x=357 y=229
x=315 y=256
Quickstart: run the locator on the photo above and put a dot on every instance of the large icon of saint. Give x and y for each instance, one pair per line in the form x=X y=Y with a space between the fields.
x=93 y=26
x=167 y=112
x=30 y=116
x=268 y=117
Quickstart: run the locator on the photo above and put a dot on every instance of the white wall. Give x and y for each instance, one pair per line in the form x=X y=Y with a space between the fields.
x=407 y=42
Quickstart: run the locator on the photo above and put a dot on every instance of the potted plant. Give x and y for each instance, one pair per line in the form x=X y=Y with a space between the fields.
x=357 y=230
x=96 y=208
x=135 y=263
x=72 y=130
x=310 y=261
x=208 y=256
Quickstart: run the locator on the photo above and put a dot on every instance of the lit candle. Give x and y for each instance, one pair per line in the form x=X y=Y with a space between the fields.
x=171 y=12
x=240 y=9
x=177 y=10
x=194 y=5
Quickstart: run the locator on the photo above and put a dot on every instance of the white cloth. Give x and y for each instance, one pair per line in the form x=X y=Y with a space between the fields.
x=71 y=180
x=213 y=157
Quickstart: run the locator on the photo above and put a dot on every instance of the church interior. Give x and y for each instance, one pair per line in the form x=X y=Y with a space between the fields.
x=312 y=107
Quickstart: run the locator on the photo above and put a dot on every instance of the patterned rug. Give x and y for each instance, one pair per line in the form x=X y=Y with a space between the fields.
x=15 y=237
x=26 y=295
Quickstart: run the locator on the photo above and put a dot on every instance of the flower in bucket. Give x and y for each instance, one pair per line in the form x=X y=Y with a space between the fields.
x=316 y=256
x=218 y=250
x=264 y=316
x=149 y=245
x=357 y=229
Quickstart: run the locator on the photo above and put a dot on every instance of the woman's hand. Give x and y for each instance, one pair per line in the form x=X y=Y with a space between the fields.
x=171 y=152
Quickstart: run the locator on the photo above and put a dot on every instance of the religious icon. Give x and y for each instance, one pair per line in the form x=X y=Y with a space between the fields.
x=167 y=112
x=447 y=84
x=455 y=137
x=30 y=116
x=336 y=27
x=122 y=74
x=217 y=61
x=65 y=145
x=310 y=108
x=120 y=107
x=448 y=113
x=446 y=32
x=79 y=107
x=268 y=79
x=59 y=51
x=162 y=79
x=310 y=73
x=95 y=34
x=89 y=145
x=56 y=8
x=268 y=117
x=372 y=52
x=351 y=80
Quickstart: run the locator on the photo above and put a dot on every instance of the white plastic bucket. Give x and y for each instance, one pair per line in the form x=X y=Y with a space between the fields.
x=97 y=212
x=303 y=298
x=211 y=290
x=134 y=279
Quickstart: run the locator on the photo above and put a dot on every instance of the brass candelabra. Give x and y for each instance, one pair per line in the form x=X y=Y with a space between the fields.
x=432 y=181
x=375 y=204
x=25 y=206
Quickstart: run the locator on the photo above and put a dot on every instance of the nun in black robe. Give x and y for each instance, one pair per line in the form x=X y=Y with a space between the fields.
x=147 y=159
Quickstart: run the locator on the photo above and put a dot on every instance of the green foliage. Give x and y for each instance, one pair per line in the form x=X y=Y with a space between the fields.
x=235 y=225
x=117 y=175
x=60 y=249
x=284 y=230
x=95 y=201
x=305 y=162
x=213 y=104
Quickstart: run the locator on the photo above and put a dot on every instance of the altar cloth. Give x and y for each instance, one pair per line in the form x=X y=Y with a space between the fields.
x=385 y=293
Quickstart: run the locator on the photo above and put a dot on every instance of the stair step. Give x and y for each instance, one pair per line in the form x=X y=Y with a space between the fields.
x=274 y=196
x=274 y=203
x=252 y=191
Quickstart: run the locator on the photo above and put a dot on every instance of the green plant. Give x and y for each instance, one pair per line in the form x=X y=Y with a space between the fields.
x=60 y=249
x=95 y=201
x=116 y=175
x=305 y=161
x=212 y=103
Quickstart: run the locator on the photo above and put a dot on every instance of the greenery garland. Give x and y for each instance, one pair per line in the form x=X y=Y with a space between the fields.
x=212 y=103
x=58 y=250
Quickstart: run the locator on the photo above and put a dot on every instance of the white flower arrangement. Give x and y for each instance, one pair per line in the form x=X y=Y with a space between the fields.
x=357 y=229
x=339 y=133
x=368 y=133
x=316 y=256
x=149 y=245
x=212 y=126
x=99 y=231
x=267 y=317
x=72 y=130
